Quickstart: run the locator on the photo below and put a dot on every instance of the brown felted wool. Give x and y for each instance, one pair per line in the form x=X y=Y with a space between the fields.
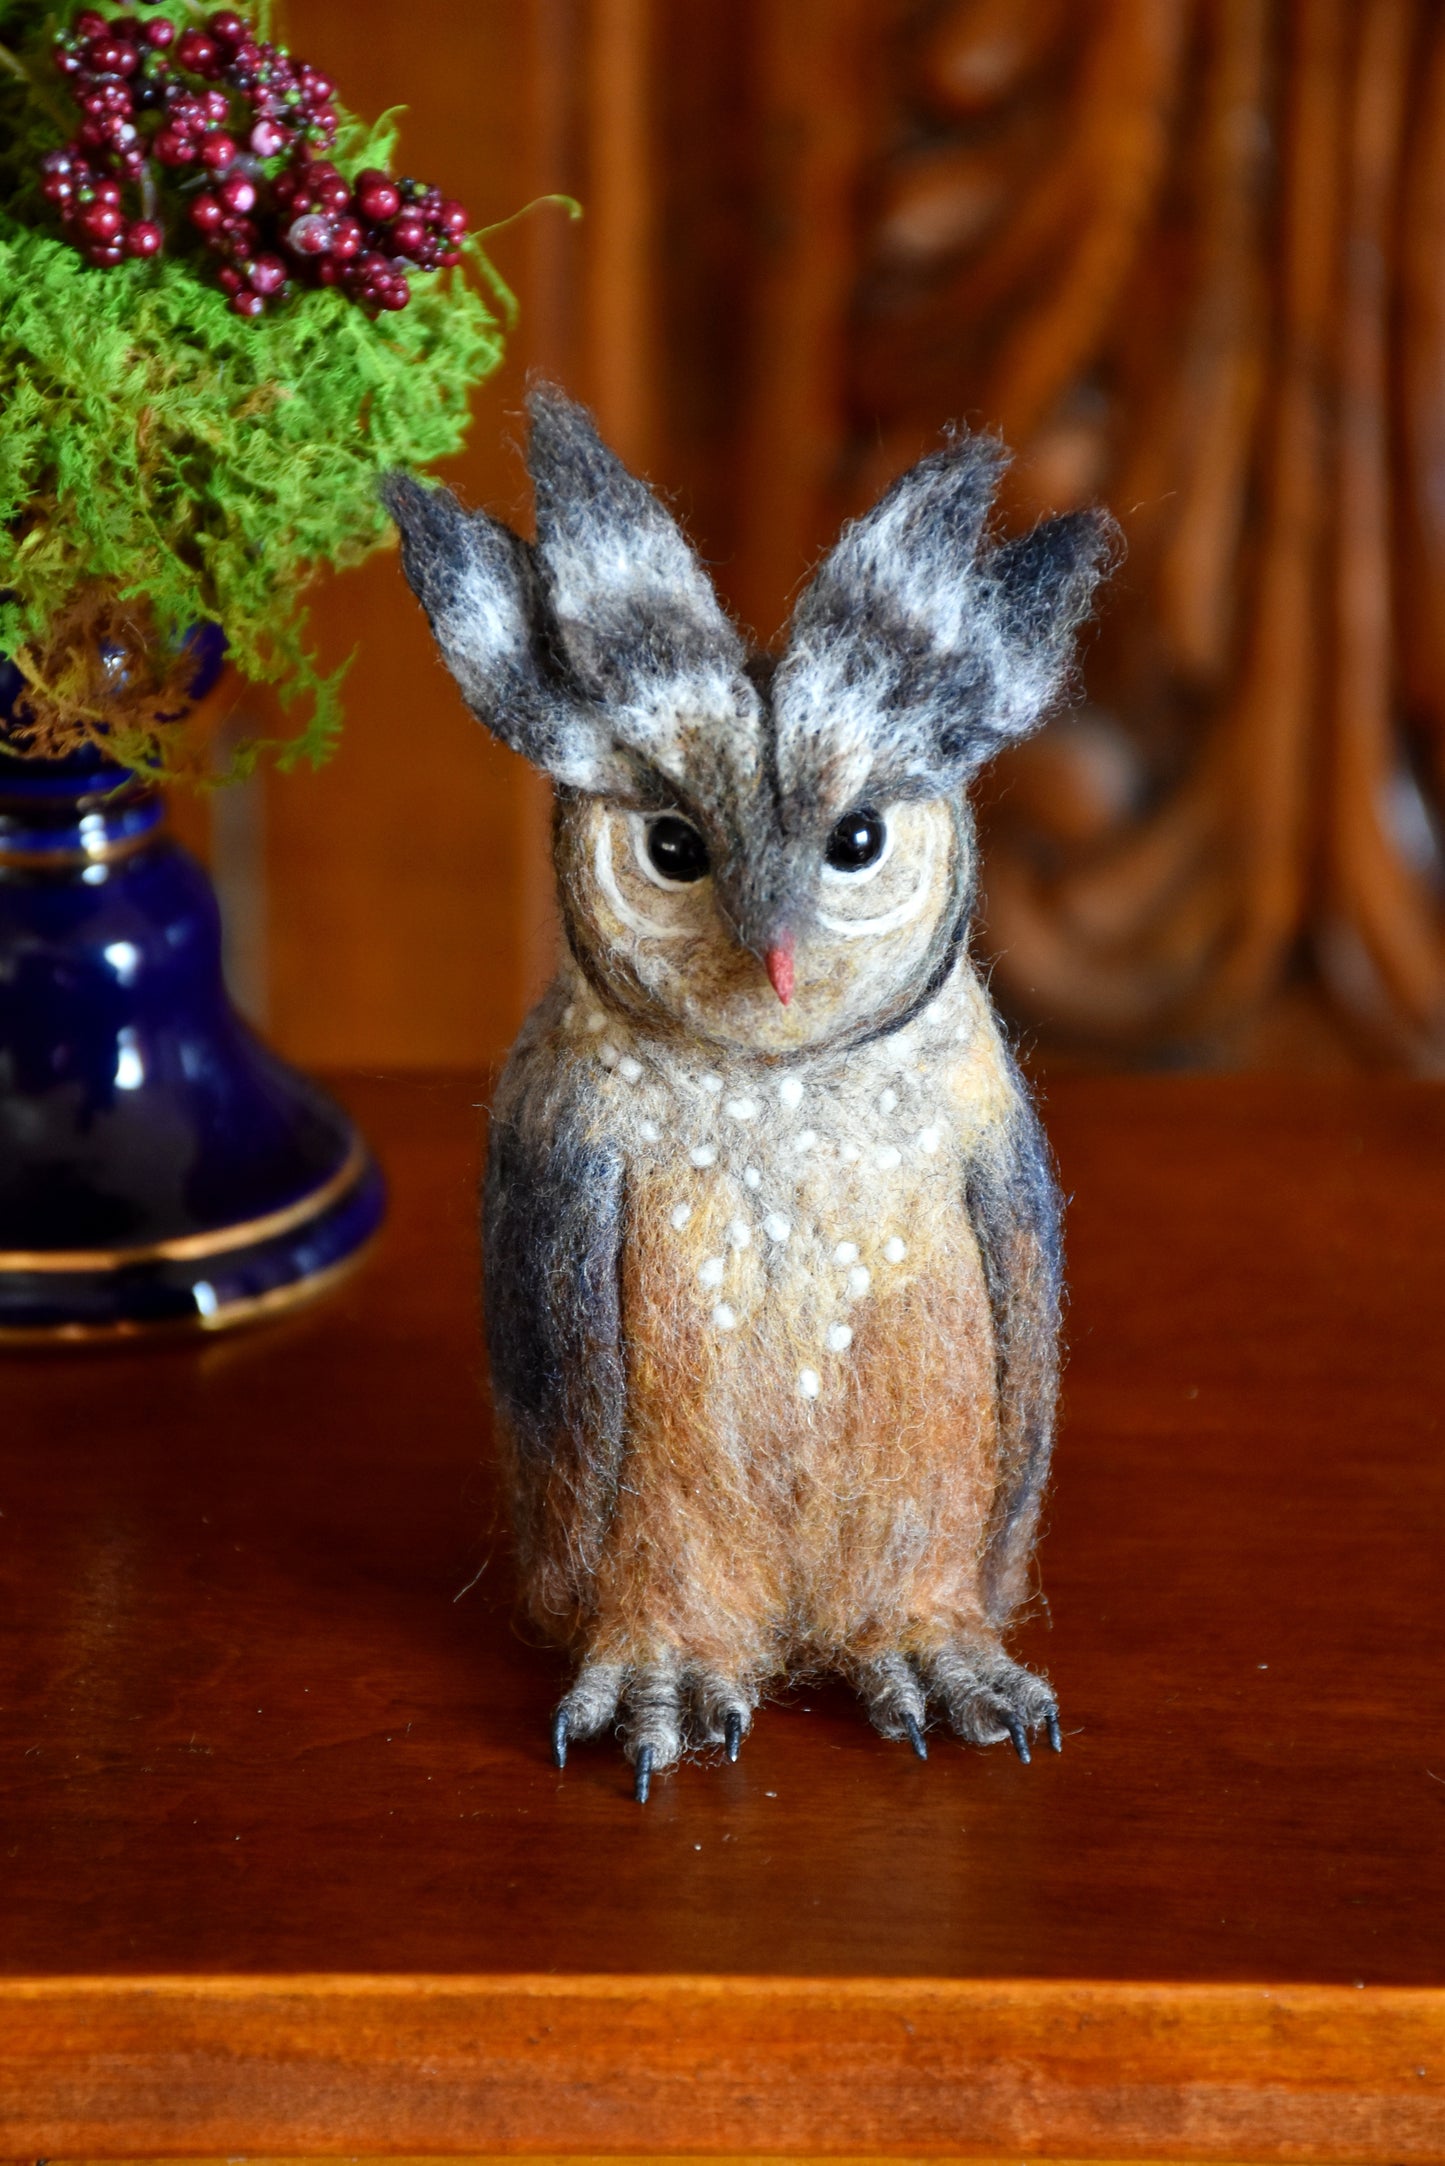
x=771 y=1234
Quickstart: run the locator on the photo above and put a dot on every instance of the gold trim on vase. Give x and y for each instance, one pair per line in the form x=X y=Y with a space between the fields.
x=251 y=1309
x=197 y=1247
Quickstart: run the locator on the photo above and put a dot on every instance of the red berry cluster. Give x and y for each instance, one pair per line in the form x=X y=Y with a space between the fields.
x=364 y=238
x=241 y=129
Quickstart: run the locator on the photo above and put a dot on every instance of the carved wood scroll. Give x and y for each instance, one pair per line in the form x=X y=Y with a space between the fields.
x=1189 y=257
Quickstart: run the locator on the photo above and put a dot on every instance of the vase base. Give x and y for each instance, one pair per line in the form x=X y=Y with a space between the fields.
x=161 y=1170
x=215 y=1280
x=258 y=1309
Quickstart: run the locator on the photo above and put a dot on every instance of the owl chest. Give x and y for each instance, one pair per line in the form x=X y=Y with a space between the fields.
x=791 y=1242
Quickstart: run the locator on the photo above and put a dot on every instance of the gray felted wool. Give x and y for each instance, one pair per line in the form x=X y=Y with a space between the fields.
x=771 y=1232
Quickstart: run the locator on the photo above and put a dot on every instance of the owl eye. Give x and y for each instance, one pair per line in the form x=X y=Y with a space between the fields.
x=857 y=841
x=676 y=850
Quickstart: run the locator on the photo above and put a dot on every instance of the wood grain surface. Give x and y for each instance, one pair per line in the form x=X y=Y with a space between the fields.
x=284 y=1864
x=602 y=2064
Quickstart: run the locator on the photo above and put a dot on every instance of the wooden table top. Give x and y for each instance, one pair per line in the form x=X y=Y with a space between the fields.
x=274 y=1756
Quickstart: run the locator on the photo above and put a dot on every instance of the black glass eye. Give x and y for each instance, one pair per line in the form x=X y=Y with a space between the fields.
x=676 y=848
x=857 y=841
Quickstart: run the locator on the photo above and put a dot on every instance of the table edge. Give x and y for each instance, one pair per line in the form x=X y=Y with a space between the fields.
x=318 y=2064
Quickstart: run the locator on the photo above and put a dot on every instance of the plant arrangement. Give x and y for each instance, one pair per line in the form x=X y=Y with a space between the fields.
x=222 y=318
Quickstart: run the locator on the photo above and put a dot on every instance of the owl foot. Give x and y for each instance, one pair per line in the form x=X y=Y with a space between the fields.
x=661 y=1711
x=986 y=1697
x=989 y=1697
x=895 y=1700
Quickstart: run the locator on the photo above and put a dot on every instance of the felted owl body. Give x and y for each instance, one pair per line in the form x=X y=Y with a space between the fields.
x=771 y=1237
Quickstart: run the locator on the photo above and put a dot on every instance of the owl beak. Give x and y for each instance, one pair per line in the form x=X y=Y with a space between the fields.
x=778 y=961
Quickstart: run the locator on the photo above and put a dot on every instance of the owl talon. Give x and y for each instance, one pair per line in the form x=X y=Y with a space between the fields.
x=654 y=1721
x=720 y=1709
x=664 y=1707
x=894 y=1698
x=989 y=1697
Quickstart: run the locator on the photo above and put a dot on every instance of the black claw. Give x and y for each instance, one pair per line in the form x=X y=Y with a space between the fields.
x=915 y=1735
x=734 y=1729
x=559 y=1737
x=1051 y=1723
x=644 y=1774
x=1016 y=1731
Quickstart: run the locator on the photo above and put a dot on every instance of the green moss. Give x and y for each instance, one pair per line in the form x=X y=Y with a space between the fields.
x=161 y=452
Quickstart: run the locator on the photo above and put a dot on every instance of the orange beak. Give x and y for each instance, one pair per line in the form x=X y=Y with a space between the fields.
x=779 y=961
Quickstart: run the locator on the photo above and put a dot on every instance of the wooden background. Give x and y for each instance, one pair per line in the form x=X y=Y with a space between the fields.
x=1188 y=255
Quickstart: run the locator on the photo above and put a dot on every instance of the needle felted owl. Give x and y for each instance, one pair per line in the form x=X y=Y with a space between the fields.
x=771 y=1235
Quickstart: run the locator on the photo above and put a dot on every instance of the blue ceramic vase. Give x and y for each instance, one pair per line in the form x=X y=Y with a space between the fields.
x=158 y=1166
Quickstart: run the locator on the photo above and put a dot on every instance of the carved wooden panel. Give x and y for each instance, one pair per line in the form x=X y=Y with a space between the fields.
x=1189 y=257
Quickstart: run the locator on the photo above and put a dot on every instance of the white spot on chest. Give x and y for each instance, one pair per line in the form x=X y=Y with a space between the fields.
x=802 y=1215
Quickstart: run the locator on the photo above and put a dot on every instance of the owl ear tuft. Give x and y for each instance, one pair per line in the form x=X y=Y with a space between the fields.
x=1045 y=582
x=628 y=598
x=919 y=651
x=909 y=558
x=477 y=583
x=599 y=651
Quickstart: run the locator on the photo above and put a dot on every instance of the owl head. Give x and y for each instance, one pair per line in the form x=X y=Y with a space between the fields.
x=768 y=853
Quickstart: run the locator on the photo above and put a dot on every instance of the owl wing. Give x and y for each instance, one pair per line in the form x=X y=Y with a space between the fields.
x=553 y=1226
x=1013 y=1204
